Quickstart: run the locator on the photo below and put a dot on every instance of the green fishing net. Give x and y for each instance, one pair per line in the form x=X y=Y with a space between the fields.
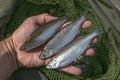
x=102 y=66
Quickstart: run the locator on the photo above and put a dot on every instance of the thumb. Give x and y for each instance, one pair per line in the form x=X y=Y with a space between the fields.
x=44 y=18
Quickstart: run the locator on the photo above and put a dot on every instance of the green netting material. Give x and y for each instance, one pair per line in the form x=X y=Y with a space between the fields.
x=102 y=66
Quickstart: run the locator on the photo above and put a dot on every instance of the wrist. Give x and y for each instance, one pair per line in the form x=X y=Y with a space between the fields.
x=9 y=49
x=8 y=59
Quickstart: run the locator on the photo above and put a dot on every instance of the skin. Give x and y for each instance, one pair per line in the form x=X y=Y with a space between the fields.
x=12 y=58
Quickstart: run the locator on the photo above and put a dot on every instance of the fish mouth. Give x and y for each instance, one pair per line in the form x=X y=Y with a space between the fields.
x=26 y=47
x=49 y=66
x=53 y=64
x=42 y=56
x=46 y=54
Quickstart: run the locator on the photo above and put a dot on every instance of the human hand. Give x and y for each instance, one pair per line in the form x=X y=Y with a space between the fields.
x=31 y=58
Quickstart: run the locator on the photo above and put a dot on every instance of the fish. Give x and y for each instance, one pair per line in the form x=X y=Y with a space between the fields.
x=43 y=34
x=72 y=51
x=63 y=37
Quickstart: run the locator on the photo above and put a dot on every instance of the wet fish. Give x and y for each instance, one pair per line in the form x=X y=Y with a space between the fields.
x=63 y=37
x=42 y=34
x=72 y=51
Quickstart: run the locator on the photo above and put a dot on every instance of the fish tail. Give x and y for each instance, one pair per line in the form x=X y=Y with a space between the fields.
x=98 y=31
x=80 y=20
x=85 y=14
x=68 y=16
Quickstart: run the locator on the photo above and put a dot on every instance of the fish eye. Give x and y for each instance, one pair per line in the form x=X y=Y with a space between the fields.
x=43 y=55
x=49 y=66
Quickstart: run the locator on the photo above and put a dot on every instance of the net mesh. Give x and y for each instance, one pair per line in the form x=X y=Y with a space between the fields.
x=102 y=66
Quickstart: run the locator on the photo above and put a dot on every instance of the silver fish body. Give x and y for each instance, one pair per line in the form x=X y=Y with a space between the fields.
x=72 y=51
x=42 y=34
x=63 y=37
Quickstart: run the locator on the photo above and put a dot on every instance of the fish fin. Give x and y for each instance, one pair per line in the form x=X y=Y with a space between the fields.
x=79 y=60
x=80 y=63
x=68 y=16
x=84 y=63
x=85 y=13
x=98 y=31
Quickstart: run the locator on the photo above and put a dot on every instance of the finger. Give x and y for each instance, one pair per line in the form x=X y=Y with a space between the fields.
x=72 y=70
x=94 y=40
x=47 y=60
x=44 y=18
x=86 y=24
x=89 y=52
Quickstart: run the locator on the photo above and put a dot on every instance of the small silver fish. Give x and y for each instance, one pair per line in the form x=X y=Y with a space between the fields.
x=43 y=33
x=62 y=38
x=72 y=51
